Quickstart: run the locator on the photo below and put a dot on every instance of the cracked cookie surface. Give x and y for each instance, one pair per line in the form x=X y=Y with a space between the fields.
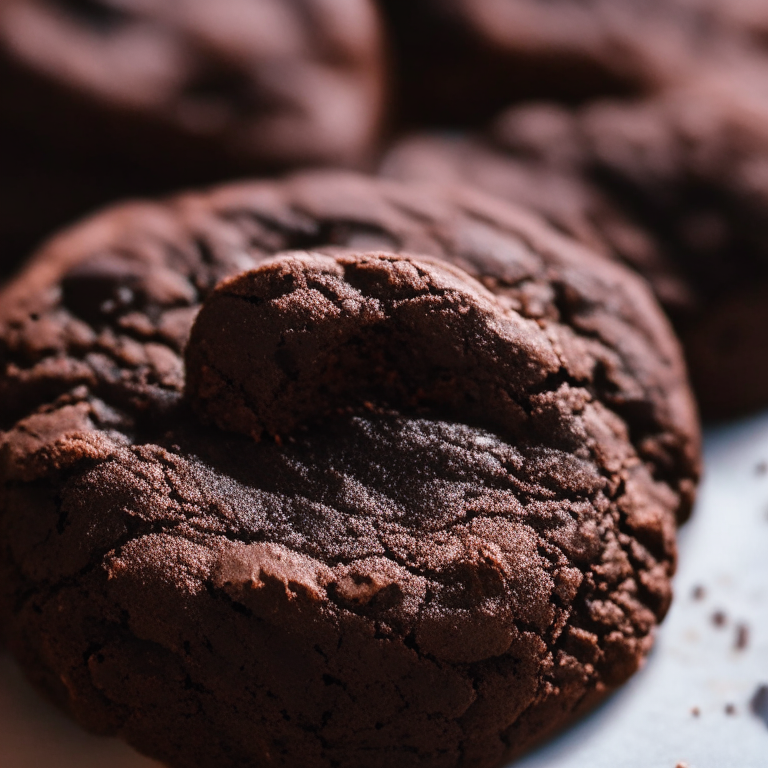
x=403 y=580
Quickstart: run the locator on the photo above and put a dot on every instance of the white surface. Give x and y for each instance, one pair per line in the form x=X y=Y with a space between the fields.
x=695 y=664
x=650 y=722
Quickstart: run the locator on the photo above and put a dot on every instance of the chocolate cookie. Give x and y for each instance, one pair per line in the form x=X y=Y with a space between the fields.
x=396 y=509
x=462 y=61
x=203 y=89
x=674 y=186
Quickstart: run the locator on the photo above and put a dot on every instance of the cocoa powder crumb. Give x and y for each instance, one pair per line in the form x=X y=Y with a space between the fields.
x=759 y=703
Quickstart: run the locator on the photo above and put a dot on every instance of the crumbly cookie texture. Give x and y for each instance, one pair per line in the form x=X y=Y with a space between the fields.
x=403 y=568
x=308 y=335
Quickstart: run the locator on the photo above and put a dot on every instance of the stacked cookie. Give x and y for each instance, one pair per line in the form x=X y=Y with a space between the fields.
x=364 y=470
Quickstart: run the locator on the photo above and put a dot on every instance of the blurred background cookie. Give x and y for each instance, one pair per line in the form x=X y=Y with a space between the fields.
x=135 y=96
x=676 y=186
x=460 y=61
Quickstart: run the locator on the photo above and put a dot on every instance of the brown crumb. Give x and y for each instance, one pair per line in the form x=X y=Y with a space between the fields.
x=696 y=712
x=761 y=468
x=759 y=703
x=682 y=765
x=719 y=619
x=730 y=709
x=699 y=593
x=742 y=637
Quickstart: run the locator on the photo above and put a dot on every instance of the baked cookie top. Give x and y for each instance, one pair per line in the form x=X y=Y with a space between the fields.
x=413 y=423
x=133 y=279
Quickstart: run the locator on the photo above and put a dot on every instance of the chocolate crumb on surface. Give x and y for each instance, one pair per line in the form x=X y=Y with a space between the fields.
x=759 y=703
x=742 y=637
x=719 y=619
x=699 y=592
x=730 y=709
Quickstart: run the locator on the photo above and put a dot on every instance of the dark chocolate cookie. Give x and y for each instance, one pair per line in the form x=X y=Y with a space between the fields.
x=109 y=99
x=405 y=510
x=676 y=186
x=198 y=87
x=464 y=60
